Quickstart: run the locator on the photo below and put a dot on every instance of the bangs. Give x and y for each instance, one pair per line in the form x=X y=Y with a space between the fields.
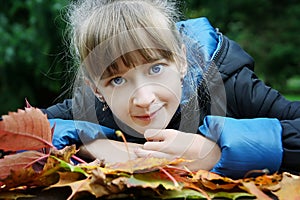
x=132 y=48
x=136 y=58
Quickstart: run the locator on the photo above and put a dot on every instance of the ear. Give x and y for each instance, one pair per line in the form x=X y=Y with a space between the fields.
x=93 y=87
x=184 y=65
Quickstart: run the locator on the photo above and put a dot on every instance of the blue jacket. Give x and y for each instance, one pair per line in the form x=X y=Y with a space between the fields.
x=246 y=96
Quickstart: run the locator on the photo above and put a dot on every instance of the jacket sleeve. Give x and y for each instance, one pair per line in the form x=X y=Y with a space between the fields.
x=249 y=97
x=67 y=132
x=61 y=110
x=244 y=144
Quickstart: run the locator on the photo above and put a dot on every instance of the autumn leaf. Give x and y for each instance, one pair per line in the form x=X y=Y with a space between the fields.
x=33 y=168
x=253 y=189
x=71 y=180
x=18 y=161
x=64 y=154
x=19 y=169
x=14 y=195
x=27 y=129
x=152 y=180
x=290 y=187
x=68 y=166
x=214 y=181
x=186 y=193
x=30 y=130
x=265 y=182
x=142 y=165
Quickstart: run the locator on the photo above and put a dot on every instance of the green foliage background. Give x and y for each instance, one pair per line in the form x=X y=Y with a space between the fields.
x=34 y=60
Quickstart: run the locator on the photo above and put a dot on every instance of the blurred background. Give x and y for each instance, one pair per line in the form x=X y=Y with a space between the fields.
x=35 y=63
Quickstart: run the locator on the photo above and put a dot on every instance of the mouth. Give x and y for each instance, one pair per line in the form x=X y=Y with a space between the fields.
x=148 y=116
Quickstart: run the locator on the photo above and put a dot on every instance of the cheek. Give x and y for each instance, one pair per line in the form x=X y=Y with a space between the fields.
x=118 y=102
x=174 y=90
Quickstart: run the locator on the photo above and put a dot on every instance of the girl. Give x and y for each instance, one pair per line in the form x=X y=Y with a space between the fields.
x=174 y=89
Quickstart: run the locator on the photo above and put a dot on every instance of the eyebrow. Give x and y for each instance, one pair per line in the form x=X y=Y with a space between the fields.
x=109 y=73
x=113 y=69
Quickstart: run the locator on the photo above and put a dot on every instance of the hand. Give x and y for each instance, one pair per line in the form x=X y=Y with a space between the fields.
x=173 y=144
x=109 y=150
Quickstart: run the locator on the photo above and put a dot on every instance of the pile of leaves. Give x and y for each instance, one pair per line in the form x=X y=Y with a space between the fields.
x=34 y=163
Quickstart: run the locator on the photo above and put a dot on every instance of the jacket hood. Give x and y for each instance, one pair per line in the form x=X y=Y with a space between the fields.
x=227 y=54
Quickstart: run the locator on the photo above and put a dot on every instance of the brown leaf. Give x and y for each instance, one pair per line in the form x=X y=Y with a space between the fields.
x=17 y=162
x=64 y=154
x=25 y=169
x=27 y=129
x=66 y=178
x=253 y=189
x=72 y=180
x=98 y=183
x=142 y=165
x=214 y=181
x=14 y=195
x=290 y=187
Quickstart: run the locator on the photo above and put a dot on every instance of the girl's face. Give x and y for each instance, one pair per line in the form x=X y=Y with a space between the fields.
x=145 y=96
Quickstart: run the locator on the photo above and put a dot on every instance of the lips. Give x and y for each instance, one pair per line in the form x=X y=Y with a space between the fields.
x=148 y=116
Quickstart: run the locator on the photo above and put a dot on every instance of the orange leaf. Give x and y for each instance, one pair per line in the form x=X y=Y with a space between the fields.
x=27 y=129
x=266 y=182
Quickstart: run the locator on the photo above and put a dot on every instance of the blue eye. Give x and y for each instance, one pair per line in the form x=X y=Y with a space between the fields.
x=156 y=69
x=117 y=81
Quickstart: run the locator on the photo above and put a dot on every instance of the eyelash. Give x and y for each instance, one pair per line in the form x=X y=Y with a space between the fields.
x=115 y=78
x=155 y=66
x=161 y=65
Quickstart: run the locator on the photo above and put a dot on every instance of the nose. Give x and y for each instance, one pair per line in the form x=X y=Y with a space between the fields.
x=143 y=97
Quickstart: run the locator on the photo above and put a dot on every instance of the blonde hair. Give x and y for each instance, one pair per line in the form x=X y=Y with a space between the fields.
x=103 y=31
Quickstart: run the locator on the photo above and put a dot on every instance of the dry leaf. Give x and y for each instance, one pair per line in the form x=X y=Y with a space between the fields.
x=17 y=162
x=252 y=189
x=290 y=187
x=214 y=181
x=142 y=165
x=27 y=129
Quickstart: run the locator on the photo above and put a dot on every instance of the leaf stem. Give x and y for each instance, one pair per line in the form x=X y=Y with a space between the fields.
x=170 y=176
x=120 y=134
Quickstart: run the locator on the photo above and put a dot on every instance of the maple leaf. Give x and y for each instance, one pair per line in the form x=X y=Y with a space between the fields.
x=27 y=129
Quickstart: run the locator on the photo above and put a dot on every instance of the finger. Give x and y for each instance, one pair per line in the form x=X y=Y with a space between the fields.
x=153 y=145
x=154 y=134
x=142 y=153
